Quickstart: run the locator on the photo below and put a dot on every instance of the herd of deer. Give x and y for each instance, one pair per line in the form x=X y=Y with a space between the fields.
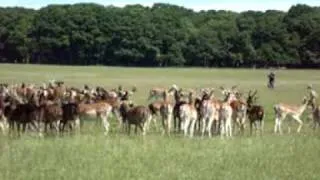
x=54 y=106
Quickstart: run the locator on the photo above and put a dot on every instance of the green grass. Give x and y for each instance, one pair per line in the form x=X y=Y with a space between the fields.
x=94 y=156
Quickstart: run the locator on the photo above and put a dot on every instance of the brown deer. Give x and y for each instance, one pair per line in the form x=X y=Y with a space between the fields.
x=155 y=106
x=50 y=113
x=166 y=113
x=139 y=116
x=239 y=107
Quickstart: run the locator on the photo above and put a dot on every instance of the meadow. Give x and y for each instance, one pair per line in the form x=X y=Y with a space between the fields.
x=92 y=155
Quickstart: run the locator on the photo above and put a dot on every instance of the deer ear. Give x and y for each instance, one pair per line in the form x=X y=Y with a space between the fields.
x=134 y=89
x=120 y=88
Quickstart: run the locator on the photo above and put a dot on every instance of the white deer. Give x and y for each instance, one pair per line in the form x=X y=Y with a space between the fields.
x=188 y=116
x=283 y=110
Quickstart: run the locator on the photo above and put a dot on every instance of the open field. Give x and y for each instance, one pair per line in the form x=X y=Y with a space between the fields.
x=117 y=156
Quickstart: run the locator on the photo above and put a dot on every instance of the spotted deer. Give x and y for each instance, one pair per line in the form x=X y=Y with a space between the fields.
x=188 y=115
x=282 y=110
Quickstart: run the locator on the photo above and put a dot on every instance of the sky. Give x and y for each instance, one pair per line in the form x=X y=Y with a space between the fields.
x=197 y=5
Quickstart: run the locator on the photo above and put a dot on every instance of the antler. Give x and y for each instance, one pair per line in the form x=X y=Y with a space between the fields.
x=234 y=87
x=255 y=93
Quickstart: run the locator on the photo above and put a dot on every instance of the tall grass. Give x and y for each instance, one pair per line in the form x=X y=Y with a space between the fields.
x=92 y=155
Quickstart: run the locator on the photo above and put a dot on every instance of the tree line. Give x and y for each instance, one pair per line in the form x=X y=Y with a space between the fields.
x=159 y=36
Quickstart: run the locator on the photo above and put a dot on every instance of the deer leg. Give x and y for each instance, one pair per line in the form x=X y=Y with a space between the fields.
x=280 y=122
x=314 y=124
x=163 y=121
x=105 y=123
x=62 y=125
x=251 y=123
x=300 y=123
x=180 y=124
x=154 y=119
x=277 y=126
x=243 y=121
x=136 y=129
x=24 y=126
x=229 y=126
x=18 y=128
x=186 y=126
x=174 y=122
x=192 y=128
x=2 y=127
x=77 y=124
x=169 y=123
x=57 y=126
x=129 y=128
x=209 y=128
x=223 y=127
x=203 y=126
x=142 y=128
x=261 y=126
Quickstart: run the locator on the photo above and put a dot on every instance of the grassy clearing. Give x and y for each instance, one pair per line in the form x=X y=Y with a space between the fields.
x=94 y=156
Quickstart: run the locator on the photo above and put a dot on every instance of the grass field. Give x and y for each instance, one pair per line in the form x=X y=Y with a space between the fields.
x=117 y=156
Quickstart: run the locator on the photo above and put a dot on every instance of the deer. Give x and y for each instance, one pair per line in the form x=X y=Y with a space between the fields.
x=255 y=112
x=239 y=106
x=166 y=110
x=100 y=110
x=225 y=115
x=189 y=116
x=140 y=116
x=282 y=110
x=50 y=112
x=208 y=111
x=179 y=101
x=155 y=106
x=4 y=125
x=23 y=112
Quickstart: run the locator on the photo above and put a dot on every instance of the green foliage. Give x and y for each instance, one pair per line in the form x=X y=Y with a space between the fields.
x=161 y=35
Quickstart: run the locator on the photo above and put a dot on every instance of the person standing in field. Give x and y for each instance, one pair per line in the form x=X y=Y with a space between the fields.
x=271 y=78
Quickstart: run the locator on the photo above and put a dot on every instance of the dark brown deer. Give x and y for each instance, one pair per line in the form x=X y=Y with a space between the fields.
x=21 y=113
x=255 y=112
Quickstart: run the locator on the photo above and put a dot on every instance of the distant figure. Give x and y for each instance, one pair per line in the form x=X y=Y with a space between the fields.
x=271 y=77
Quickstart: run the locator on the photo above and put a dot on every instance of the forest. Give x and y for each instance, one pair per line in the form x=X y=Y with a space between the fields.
x=163 y=35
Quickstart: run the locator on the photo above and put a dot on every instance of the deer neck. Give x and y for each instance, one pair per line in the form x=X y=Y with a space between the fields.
x=176 y=96
x=302 y=108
